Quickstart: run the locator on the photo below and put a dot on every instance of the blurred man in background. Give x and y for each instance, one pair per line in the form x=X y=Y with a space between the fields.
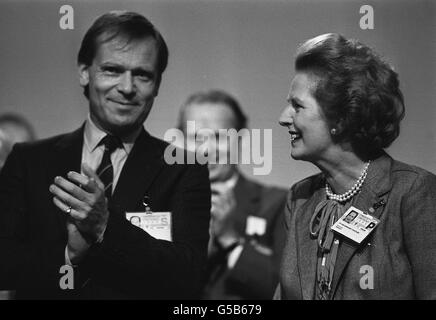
x=13 y=128
x=246 y=226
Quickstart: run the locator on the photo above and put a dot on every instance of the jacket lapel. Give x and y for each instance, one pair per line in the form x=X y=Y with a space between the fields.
x=141 y=167
x=248 y=195
x=307 y=246
x=370 y=200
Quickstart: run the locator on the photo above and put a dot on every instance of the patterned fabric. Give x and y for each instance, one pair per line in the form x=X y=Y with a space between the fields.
x=106 y=171
x=326 y=214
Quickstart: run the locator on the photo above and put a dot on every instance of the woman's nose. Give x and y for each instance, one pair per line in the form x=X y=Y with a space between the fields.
x=285 y=119
x=126 y=83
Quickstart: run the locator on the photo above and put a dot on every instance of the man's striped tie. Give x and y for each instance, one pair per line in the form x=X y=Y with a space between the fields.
x=106 y=171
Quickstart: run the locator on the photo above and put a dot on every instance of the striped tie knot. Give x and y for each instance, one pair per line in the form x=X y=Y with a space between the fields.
x=111 y=143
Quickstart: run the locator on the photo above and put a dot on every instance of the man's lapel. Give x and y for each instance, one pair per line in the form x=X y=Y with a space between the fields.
x=67 y=156
x=247 y=196
x=370 y=200
x=141 y=167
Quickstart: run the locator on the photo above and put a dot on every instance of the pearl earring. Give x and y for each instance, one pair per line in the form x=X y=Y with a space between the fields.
x=333 y=131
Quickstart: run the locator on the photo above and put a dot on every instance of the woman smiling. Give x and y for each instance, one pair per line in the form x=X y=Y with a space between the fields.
x=345 y=108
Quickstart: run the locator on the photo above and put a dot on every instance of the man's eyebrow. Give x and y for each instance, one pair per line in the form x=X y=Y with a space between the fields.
x=142 y=70
x=134 y=70
x=111 y=64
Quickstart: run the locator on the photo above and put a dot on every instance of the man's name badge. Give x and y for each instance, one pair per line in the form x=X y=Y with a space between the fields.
x=355 y=224
x=156 y=224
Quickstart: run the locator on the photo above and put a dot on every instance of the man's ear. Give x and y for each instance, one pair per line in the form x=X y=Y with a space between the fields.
x=157 y=86
x=83 y=75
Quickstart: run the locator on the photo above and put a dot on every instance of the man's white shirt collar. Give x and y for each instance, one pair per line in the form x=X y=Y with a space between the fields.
x=93 y=136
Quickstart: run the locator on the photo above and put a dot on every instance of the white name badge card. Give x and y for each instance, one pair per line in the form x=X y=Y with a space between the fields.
x=156 y=224
x=355 y=224
x=255 y=225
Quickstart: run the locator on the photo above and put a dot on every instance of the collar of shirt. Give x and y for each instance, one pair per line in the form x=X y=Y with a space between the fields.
x=231 y=183
x=93 y=136
x=92 y=152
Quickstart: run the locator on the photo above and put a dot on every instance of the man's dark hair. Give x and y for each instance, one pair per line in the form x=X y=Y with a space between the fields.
x=129 y=25
x=218 y=97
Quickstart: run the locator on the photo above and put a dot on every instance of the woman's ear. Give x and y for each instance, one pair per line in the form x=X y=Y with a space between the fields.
x=83 y=75
x=339 y=126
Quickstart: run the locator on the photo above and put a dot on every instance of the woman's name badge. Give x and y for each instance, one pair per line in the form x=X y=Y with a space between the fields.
x=156 y=224
x=355 y=224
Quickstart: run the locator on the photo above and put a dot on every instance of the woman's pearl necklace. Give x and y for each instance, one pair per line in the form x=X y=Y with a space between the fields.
x=350 y=193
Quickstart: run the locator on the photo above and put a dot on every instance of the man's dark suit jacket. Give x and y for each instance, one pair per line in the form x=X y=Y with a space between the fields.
x=129 y=263
x=255 y=274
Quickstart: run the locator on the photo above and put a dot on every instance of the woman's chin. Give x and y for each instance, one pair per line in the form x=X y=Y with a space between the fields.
x=295 y=157
x=296 y=154
x=303 y=156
